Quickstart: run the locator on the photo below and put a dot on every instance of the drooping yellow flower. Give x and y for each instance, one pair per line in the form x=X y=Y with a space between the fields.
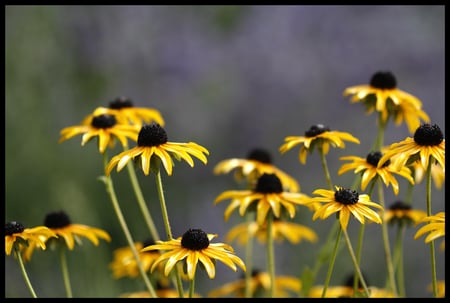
x=258 y=162
x=195 y=246
x=400 y=212
x=428 y=144
x=368 y=167
x=153 y=144
x=345 y=202
x=17 y=234
x=106 y=128
x=437 y=173
x=435 y=227
x=320 y=136
x=268 y=195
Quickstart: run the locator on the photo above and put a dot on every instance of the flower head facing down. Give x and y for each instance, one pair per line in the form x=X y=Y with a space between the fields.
x=345 y=202
x=401 y=213
x=437 y=173
x=435 y=227
x=258 y=162
x=153 y=144
x=106 y=128
x=17 y=234
x=320 y=136
x=268 y=195
x=195 y=246
x=428 y=143
x=368 y=167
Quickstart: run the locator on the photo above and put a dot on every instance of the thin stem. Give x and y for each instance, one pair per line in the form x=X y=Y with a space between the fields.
x=378 y=144
x=65 y=270
x=248 y=255
x=24 y=272
x=333 y=259
x=191 y=288
x=398 y=260
x=432 y=249
x=270 y=255
x=325 y=168
x=123 y=224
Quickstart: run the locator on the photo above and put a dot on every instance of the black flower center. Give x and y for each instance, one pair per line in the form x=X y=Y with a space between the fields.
x=428 y=135
x=57 y=219
x=103 y=121
x=316 y=130
x=120 y=102
x=373 y=158
x=195 y=239
x=346 y=196
x=383 y=80
x=260 y=155
x=13 y=227
x=268 y=183
x=152 y=135
x=400 y=205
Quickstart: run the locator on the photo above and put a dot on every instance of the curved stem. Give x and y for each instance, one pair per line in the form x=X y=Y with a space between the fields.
x=432 y=249
x=325 y=169
x=65 y=270
x=248 y=255
x=24 y=272
x=333 y=259
x=270 y=255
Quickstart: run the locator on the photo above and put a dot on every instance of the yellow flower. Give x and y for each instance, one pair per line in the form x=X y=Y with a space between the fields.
x=124 y=110
x=257 y=163
x=194 y=246
x=369 y=170
x=428 y=143
x=285 y=286
x=17 y=234
x=152 y=143
x=318 y=135
x=345 y=202
x=268 y=196
x=440 y=289
x=400 y=212
x=437 y=173
x=435 y=227
x=383 y=96
x=106 y=128
x=161 y=292
x=281 y=230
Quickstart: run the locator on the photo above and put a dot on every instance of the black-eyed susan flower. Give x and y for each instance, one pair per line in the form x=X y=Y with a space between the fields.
x=285 y=286
x=435 y=227
x=368 y=167
x=268 y=195
x=320 y=136
x=125 y=111
x=17 y=234
x=106 y=128
x=258 y=162
x=383 y=96
x=401 y=213
x=281 y=230
x=345 y=202
x=427 y=144
x=195 y=246
x=153 y=144
x=437 y=173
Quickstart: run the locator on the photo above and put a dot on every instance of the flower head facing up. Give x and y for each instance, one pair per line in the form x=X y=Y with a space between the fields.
x=368 y=167
x=153 y=144
x=17 y=234
x=268 y=195
x=401 y=213
x=258 y=162
x=320 y=136
x=104 y=126
x=194 y=246
x=345 y=202
x=435 y=227
x=428 y=143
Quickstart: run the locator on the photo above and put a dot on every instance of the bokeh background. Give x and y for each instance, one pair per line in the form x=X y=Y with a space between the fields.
x=229 y=78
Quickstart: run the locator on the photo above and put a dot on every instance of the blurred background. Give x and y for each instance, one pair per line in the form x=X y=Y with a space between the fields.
x=230 y=78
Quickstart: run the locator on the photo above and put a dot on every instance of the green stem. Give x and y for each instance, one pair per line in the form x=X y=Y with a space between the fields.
x=248 y=255
x=325 y=169
x=333 y=259
x=191 y=288
x=24 y=272
x=378 y=144
x=432 y=249
x=398 y=260
x=270 y=255
x=123 y=224
x=65 y=270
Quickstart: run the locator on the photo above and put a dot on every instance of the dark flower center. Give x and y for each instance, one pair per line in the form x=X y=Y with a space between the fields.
x=373 y=158
x=428 y=135
x=400 y=205
x=351 y=280
x=346 y=196
x=13 y=227
x=152 y=135
x=268 y=183
x=383 y=80
x=148 y=242
x=120 y=103
x=195 y=239
x=103 y=121
x=57 y=219
x=260 y=155
x=316 y=130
